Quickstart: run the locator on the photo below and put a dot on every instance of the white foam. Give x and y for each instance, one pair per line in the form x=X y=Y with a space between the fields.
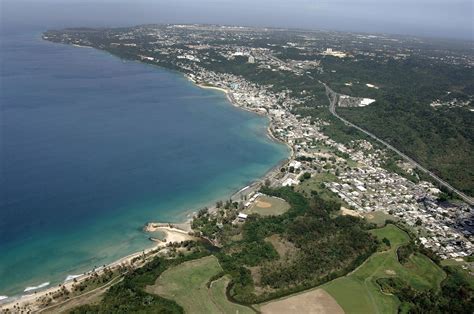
x=243 y=189
x=44 y=284
x=71 y=277
x=3 y=297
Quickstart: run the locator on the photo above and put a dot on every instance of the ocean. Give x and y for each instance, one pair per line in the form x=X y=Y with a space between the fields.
x=92 y=147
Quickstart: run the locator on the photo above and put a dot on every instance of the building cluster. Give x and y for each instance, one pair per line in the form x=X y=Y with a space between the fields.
x=362 y=183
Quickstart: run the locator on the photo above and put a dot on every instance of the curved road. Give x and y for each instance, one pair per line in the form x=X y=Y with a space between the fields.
x=332 y=108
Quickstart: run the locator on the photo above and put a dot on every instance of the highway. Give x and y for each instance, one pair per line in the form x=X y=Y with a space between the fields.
x=333 y=96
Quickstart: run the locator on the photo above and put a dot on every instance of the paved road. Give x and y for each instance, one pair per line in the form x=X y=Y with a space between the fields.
x=332 y=107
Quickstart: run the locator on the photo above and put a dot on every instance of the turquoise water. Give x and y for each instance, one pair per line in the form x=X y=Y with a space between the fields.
x=92 y=148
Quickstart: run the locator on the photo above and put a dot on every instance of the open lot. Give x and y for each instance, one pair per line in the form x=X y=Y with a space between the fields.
x=359 y=292
x=268 y=206
x=312 y=302
x=187 y=285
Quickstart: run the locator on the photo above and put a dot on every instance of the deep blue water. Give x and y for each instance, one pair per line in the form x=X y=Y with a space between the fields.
x=92 y=147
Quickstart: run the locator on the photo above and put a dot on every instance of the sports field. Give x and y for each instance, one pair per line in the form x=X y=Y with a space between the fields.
x=358 y=292
x=268 y=206
x=187 y=285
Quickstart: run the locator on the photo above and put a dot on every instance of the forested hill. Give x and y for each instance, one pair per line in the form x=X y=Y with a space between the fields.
x=423 y=108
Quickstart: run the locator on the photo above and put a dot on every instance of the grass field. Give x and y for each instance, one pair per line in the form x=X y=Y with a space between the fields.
x=267 y=206
x=316 y=301
x=462 y=266
x=187 y=285
x=358 y=292
x=218 y=296
x=314 y=184
x=379 y=218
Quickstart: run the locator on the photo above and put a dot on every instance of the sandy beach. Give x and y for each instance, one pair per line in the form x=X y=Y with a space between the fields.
x=213 y=87
x=32 y=301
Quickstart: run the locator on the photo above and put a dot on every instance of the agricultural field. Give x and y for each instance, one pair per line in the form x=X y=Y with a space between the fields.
x=187 y=284
x=268 y=206
x=359 y=292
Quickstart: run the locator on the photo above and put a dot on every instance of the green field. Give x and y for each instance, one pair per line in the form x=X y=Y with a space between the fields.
x=217 y=292
x=187 y=285
x=314 y=184
x=268 y=206
x=358 y=292
x=463 y=267
x=379 y=218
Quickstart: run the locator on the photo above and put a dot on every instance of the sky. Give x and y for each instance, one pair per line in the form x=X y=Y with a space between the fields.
x=433 y=18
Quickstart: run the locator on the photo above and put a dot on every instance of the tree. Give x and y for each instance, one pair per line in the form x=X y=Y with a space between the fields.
x=203 y=212
x=305 y=176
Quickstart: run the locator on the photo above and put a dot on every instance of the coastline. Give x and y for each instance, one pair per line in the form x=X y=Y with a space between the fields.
x=249 y=189
x=33 y=300
x=31 y=296
x=228 y=94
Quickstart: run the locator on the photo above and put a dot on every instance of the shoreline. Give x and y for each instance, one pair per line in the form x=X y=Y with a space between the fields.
x=7 y=302
x=33 y=300
x=272 y=171
x=228 y=94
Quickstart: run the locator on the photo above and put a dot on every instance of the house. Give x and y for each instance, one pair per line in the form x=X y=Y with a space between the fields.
x=242 y=216
x=289 y=182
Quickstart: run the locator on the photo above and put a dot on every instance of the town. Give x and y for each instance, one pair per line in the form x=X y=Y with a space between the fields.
x=204 y=53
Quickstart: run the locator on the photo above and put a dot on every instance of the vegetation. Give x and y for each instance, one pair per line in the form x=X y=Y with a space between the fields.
x=336 y=129
x=455 y=295
x=360 y=291
x=129 y=295
x=218 y=290
x=325 y=248
x=379 y=218
x=316 y=186
x=440 y=139
x=190 y=285
x=391 y=165
x=315 y=247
